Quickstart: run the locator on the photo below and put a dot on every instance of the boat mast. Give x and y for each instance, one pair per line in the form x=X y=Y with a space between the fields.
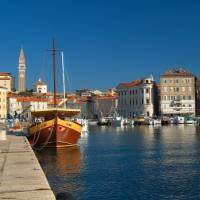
x=63 y=76
x=54 y=72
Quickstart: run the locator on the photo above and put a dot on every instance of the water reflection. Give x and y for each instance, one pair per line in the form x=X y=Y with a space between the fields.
x=62 y=166
x=63 y=161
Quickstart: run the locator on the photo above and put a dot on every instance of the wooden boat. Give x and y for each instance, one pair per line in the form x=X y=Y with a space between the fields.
x=165 y=120
x=140 y=120
x=55 y=131
x=55 y=127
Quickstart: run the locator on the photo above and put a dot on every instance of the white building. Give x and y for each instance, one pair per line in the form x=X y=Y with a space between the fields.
x=14 y=105
x=97 y=92
x=7 y=81
x=24 y=105
x=136 y=98
x=3 y=102
x=40 y=87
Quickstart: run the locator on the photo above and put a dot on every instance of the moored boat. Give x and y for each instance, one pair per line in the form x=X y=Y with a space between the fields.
x=179 y=120
x=117 y=122
x=140 y=120
x=55 y=131
x=55 y=127
x=189 y=120
x=148 y=121
x=84 y=123
x=104 y=121
x=157 y=121
x=165 y=120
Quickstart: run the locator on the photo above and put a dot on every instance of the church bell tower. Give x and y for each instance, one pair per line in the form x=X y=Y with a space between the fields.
x=22 y=72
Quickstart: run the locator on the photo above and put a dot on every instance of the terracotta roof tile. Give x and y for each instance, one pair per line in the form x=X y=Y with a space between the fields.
x=132 y=84
x=177 y=72
x=5 y=74
x=107 y=97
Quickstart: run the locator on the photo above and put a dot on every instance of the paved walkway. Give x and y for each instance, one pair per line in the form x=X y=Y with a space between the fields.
x=21 y=176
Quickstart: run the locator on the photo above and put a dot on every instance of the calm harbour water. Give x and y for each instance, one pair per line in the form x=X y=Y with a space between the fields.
x=131 y=163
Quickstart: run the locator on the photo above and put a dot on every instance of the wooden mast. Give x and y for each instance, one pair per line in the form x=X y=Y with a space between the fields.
x=54 y=72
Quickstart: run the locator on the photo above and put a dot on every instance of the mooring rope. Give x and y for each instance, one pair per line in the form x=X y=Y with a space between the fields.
x=48 y=138
x=35 y=138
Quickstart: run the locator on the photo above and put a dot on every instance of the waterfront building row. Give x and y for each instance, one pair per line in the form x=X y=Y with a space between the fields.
x=178 y=93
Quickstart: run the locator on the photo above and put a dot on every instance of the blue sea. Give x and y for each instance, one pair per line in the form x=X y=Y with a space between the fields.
x=133 y=163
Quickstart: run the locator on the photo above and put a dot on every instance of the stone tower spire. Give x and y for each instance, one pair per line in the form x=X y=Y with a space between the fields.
x=22 y=72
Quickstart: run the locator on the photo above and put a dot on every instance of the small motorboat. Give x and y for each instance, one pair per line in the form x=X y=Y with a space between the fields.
x=140 y=120
x=179 y=120
x=189 y=120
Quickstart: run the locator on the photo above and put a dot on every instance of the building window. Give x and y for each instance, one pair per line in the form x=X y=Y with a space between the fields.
x=176 y=89
x=148 y=114
x=147 y=90
x=148 y=101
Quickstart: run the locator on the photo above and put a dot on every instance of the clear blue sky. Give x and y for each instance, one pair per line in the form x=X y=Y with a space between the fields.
x=105 y=41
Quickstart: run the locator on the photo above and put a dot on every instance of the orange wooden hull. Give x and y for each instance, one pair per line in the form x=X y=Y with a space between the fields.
x=55 y=133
